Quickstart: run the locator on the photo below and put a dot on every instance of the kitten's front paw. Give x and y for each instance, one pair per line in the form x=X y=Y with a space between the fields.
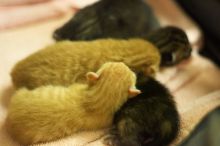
x=151 y=70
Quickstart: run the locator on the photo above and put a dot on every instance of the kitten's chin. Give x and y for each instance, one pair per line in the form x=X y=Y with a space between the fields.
x=185 y=62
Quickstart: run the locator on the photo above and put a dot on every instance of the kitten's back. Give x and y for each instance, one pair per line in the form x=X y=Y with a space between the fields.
x=149 y=119
x=66 y=62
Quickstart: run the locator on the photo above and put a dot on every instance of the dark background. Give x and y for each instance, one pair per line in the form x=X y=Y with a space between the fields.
x=206 y=14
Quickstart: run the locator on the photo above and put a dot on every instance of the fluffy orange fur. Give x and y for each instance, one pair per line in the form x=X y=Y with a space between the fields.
x=52 y=112
x=67 y=62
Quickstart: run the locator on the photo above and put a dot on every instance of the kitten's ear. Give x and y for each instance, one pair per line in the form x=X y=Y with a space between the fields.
x=91 y=76
x=133 y=92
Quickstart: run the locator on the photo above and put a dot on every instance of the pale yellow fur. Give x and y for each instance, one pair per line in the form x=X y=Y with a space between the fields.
x=67 y=62
x=52 y=112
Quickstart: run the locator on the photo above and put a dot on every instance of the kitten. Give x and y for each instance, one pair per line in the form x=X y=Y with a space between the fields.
x=149 y=119
x=67 y=62
x=120 y=19
x=173 y=44
x=109 y=18
x=52 y=112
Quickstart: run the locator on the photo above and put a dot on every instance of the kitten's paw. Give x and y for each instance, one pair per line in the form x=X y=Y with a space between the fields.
x=151 y=70
x=111 y=140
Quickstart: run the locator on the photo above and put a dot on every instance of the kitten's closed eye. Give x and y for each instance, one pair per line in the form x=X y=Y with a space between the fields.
x=168 y=58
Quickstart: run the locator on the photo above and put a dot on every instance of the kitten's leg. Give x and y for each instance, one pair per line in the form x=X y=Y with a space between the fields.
x=111 y=138
x=125 y=133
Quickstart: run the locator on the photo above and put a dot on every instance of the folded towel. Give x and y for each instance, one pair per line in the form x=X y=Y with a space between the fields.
x=19 y=15
x=19 y=2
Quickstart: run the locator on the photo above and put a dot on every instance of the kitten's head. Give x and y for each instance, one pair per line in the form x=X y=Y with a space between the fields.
x=177 y=48
x=115 y=78
x=173 y=44
x=64 y=32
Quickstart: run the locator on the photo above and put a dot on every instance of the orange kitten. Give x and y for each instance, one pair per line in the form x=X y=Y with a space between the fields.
x=52 y=112
x=67 y=62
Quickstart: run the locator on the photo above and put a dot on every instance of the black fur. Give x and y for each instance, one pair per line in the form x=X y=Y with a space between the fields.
x=150 y=119
x=126 y=19
x=109 y=19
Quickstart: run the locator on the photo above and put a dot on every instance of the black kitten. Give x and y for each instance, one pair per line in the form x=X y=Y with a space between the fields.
x=150 y=119
x=126 y=19
x=109 y=19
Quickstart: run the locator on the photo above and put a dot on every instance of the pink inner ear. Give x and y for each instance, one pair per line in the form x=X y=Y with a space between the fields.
x=91 y=76
x=134 y=92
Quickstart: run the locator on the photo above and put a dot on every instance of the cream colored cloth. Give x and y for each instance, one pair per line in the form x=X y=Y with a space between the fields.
x=19 y=2
x=26 y=12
